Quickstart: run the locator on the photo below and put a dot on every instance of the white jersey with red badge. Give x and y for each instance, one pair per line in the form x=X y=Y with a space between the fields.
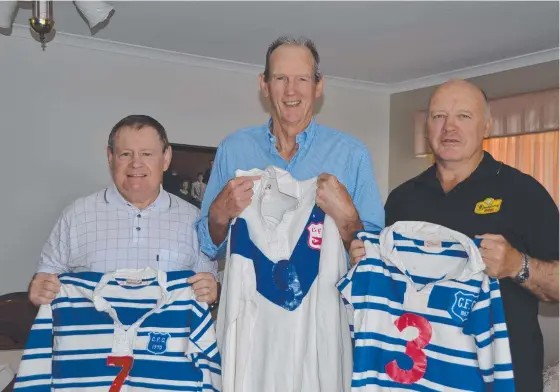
x=282 y=326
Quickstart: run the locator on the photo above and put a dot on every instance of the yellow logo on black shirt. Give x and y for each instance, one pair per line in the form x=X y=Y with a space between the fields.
x=488 y=206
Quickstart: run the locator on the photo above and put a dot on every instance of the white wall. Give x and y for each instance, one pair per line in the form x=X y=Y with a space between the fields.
x=57 y=107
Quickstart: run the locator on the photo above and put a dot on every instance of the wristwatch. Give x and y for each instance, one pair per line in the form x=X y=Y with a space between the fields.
x=217 y=301
x=214 y=305
x=523 y=275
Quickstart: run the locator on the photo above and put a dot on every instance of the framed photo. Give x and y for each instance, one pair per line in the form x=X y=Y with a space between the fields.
x=189 y=172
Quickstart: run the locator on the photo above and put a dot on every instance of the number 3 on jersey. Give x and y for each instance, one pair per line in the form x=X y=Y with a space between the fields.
x=413 y=350
x=126 y=364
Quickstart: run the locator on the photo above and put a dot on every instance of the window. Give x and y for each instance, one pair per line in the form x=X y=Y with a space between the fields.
x=535 y=154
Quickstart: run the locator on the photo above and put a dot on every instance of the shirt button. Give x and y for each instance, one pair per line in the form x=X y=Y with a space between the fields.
x=139 y=216
x=137 y=229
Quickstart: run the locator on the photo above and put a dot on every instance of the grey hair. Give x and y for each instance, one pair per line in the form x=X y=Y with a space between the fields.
x=299 y=41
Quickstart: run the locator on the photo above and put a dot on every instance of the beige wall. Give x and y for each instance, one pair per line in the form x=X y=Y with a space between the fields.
x=403 y=165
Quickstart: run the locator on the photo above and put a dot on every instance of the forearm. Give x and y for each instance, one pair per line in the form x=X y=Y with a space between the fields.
x=543 y=279
x=348 y=229
x=217 y=226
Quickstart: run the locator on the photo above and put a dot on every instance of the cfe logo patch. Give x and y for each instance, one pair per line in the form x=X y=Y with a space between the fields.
x=462 y=305
x=315 y=237
x=488 y=206
x=157 y=342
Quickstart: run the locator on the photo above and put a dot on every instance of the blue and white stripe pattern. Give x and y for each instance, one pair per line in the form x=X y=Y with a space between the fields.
x=457 y=341
x=149 y=315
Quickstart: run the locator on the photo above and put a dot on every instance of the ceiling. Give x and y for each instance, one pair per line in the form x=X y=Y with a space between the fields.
x=381 y=42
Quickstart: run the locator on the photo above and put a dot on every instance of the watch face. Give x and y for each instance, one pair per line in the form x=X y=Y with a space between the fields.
x=523 y=275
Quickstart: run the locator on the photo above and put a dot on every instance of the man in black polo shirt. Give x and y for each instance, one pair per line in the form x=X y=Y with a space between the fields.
x=468 y=191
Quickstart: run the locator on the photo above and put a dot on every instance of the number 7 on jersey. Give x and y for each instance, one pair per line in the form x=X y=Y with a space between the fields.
x=126 y=364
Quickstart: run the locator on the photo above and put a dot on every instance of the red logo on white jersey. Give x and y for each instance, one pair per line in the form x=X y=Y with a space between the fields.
x=315 y=238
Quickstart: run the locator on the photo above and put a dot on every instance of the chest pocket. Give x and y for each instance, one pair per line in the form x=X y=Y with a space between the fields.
x=175 y=258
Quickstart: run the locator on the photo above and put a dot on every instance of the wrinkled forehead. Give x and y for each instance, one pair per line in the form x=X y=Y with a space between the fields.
x=137 y=137
x=457 y=97
x=291 y=58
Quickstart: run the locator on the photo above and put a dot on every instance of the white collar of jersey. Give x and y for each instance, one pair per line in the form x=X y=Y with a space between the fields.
x=112 y=195
x=286 y=183
x=101 y=304
x=440 y=233
x=282 y=182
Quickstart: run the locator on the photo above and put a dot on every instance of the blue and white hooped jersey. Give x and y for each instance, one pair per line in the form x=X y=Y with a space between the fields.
x=132 y=330
x=425 y=316
x=282 y=325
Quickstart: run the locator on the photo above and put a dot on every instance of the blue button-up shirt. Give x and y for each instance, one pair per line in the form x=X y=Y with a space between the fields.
x=321 y=150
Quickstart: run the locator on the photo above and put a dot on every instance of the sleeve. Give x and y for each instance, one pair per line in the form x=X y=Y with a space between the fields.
x=202 y=348
x=391 y=207
x=55 y=254
x=366 y=195
x=542 y=227
x=488 y=326
x=344 y=286
x=202 y=263
x=334 y=353
x=217 y=181
x=35 y=369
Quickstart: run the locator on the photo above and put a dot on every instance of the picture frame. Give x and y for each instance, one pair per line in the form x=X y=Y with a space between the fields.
x=189 y=172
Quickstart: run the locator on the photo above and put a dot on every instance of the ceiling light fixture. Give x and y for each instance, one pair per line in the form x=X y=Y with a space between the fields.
x=42 y=21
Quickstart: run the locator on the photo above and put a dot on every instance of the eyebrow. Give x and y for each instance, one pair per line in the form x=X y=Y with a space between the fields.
x=443 y=110
x=296 y=76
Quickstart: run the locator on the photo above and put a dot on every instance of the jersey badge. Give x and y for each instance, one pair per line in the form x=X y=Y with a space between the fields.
x=157 y=342
x=462 y=305
x=315 y=237
x=488 y=206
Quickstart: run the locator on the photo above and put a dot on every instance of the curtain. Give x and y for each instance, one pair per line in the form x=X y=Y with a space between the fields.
x=535 y=154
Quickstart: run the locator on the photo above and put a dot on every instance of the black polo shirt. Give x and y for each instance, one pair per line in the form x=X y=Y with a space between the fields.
x=495 y=199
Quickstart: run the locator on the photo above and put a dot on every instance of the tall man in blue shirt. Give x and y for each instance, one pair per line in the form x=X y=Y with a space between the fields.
x=293 y=141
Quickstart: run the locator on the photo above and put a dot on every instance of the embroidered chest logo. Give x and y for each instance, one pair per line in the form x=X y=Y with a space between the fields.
x=315 y=237
x=488 y=206
x=462 y=305
x=157 y=342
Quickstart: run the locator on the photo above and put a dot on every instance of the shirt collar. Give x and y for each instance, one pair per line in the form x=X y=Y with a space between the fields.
x=486 y=168
x=388 y=247
x=302 y=139
x=113 y=196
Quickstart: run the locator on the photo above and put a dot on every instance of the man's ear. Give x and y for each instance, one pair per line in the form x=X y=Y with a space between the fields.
x=319 y=87
x=488 y=127
x=263 y=85
x=109 y=157
x=167 y=155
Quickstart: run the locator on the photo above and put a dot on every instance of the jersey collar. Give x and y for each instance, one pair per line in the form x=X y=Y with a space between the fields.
x=425 y=230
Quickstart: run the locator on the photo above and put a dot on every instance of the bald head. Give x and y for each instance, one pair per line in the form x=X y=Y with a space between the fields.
x=464 y=87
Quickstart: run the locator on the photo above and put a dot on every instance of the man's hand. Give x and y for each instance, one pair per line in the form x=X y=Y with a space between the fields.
x=229 y=203
x=357 y=251
x=501 y=259
x=205 y=287
x=43 y=288
x=233 y=199
x=333 y=198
